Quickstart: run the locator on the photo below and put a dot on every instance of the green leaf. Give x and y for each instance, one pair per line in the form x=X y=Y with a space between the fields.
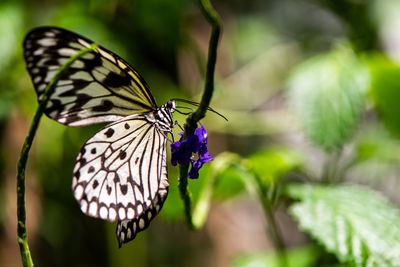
x=228 y=175
x=203 y=201
x=11 y=26
x=378 y=146
x=172 y=210
x=270 y=165
x=356 y=224
x=298 y=257
x=229 y=183
x=11 y=23
x=386 y=91
x=326 y=93
x=223 y=178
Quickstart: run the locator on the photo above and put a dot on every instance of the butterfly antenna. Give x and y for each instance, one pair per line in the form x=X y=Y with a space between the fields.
x=197 y=104
x=183 y=113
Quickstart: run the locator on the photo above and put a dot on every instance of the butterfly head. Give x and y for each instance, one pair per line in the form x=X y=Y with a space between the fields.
x=170 y=105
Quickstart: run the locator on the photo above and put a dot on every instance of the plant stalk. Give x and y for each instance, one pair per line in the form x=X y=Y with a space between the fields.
x=22 y=236
x=274 y=232
x=272 y=226
x=191 y=122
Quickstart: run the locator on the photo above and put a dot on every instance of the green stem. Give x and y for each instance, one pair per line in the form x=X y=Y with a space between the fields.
x=183 y=189
x=331 y=166
x=23 y=158
x=191 y=122
x=213 y=18
x=274 y=231
x=272 y=226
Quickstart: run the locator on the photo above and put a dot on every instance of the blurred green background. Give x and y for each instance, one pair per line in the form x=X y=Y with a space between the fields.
x=309 y=85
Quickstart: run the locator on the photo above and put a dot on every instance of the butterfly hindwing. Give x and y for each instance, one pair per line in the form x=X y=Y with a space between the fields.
x=128 y=229
x=120 y=170
x=98 y=87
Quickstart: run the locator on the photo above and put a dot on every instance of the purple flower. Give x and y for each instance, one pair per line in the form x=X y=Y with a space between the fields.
x=193 y=149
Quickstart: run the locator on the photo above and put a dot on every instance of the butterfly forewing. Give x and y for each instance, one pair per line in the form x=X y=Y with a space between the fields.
x=120 y=170
x=98 y=87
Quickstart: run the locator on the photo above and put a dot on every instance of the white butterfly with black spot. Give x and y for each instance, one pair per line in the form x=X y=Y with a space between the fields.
x=120 y=173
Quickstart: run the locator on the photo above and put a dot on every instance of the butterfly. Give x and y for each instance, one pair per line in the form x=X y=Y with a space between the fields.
x=120 y=173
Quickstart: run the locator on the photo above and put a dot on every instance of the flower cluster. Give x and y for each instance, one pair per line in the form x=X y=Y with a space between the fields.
x=193 y=149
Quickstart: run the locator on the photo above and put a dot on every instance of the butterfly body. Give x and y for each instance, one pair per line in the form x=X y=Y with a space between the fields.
x=120 y=173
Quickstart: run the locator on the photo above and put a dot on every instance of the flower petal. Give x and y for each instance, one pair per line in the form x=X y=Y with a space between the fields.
x=193 y=173
x=183 y=150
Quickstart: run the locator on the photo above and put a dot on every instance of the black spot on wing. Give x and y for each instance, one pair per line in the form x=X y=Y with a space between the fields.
x=91 y=169
x=109 y=132
x=54 y=104
x=106 y=105
x=115 y=80
x=122 y=154
x=124 y=189
x=92 y=63
x=72 y=118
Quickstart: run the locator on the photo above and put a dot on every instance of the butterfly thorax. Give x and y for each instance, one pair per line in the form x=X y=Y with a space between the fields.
x=163 y=116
